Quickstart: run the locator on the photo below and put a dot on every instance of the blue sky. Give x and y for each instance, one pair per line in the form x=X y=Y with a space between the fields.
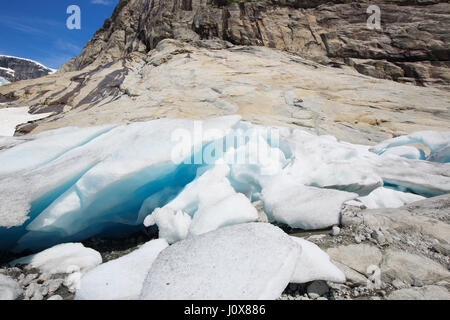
x=37 y=29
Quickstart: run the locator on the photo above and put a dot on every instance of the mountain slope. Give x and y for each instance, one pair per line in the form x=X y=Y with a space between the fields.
x=412 y=47
x=213 y=78
x=15 y=69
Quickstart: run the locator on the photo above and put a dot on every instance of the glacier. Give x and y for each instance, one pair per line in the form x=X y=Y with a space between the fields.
x=314 y=264
x=3 y=81
x=250 y=261
x=437 y=143
x=122 y=278
x=191 y=177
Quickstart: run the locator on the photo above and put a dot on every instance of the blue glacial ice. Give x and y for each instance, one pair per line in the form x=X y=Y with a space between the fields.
x=70 y=184
x=437 y=143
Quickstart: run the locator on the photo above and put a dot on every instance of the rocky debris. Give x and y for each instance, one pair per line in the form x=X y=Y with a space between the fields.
x=401 y=220
x=442 y=248
x=335 y=230
x=378 y=236
x=54 y=286
x=411 y=47
x=406 y=264
x=411 y=267
x=426 y=293
x=33 y=285
x=317 y=289
x=16 y=69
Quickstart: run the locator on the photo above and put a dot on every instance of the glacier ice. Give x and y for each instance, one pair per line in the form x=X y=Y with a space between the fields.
x=62 y=258
x=299 y=206
x=120 y=279
x=206 y=204
x=314 y=264
x=388 y=198
x=323 y=161
x=406 y=152
x=172 y=225
x=63 y=199
x=435 y=141
x=442 y=155
x=9 y=288
x=424 y=178
x=234 y=209
x=242 y=262
x=3 y=81
x=70 y=184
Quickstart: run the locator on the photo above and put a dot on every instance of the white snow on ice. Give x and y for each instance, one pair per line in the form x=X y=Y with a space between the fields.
x=388 y=198
x=251 y=261
x=120 y=279
x=70 y=184
x=12 y=117
x=63 y=258
x=314 y=264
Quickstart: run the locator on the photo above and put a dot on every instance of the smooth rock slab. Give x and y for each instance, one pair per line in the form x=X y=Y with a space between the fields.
x=408 y=267
x=354 y=260
x=357 y=257
x=425 y=293
x=241 y=262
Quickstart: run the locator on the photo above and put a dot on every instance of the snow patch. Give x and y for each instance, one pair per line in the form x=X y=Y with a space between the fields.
x=10 y=118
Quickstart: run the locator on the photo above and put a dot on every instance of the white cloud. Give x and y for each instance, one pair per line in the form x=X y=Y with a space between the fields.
x=102 y=2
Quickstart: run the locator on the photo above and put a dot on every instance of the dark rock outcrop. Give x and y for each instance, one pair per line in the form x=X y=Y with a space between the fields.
x=411 y=47
x=16 y=69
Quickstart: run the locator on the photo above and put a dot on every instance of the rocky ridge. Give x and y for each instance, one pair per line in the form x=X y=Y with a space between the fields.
x=412 y=45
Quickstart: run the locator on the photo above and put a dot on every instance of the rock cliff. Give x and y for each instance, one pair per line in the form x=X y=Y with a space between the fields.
x=412 y=45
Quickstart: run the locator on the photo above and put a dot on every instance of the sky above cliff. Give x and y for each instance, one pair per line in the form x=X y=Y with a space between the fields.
x=37 y=30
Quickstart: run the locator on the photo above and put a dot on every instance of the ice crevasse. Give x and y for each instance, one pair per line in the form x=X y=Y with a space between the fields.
x=70 y=184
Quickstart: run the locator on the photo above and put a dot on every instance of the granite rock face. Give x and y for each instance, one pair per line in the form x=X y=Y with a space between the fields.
x=210 y=78
x=412 y=45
